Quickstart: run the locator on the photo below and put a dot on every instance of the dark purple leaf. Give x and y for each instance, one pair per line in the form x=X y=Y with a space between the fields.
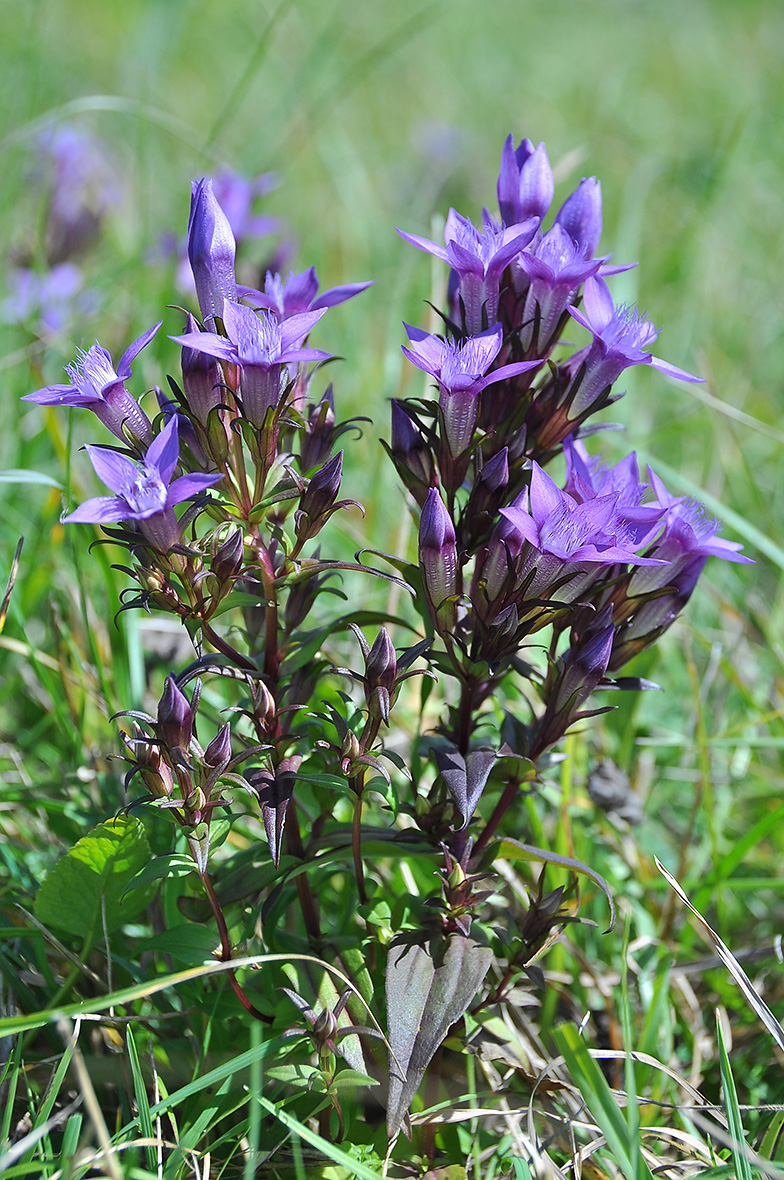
x=424 y=999
x=465 y=777
x=509 y=849
x=274 y=789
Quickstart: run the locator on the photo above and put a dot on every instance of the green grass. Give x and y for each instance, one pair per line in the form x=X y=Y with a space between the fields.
x=378 y=116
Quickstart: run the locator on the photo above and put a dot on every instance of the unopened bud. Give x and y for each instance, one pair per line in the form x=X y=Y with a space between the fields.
x=227 y=559
x=218 y=751
x=316 y=443
x=175 y=717
x=319 y=497
x=437 y=549
x=211 y=250
x=581 y=216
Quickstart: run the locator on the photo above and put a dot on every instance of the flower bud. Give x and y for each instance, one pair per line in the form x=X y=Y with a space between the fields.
x=525 y=182
x=316 y=440
x=380 y=673
x=211 y=250
x=227 y=559
x=583 y=669
x=175 y=717
x=410 y=454
x=437 y=549
x=318 y=498
x=581 y=216
x=218 y=751
x=201 y=379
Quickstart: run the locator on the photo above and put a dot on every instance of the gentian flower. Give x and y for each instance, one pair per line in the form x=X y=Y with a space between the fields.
x=143 y=491
x=461 y=371
x=688 y=538
x=81 y=181
x=568 y=542
x=620 y=337
x=299 y=293
x=211 y=250
x=479 y=258
x=260 y=345
x=555 y=268
x=98 y=387
x=51 y=299
x=588 y=478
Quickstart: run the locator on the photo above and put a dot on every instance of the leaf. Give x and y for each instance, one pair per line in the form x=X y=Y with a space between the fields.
x=275 y=788
x=466 y=778
x=187 y=943
x=423 y=1002
x=734 y=1117
x=509 y=849
x=161 y=868
x=24 y=475
x=97 y=869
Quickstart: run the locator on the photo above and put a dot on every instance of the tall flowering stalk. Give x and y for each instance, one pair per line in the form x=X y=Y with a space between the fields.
x=221 y=495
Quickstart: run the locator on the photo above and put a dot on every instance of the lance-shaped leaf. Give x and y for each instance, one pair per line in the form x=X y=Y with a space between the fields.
x=509 y=849
x=466 y=777
x=275 y=789
x=424 y=999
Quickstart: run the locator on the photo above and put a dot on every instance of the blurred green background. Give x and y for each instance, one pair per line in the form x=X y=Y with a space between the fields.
x=380 y=115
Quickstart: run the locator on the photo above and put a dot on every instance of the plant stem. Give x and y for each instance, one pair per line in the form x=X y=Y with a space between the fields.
x=356 y=843
x=306 y=899
x=500 y=810
x=226 y=955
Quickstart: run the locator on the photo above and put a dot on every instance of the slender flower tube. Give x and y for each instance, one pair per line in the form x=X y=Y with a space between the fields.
x=143 y=492
x=96 y=386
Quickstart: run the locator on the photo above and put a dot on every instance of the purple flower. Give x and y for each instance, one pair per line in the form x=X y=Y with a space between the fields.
x=479 y=258
x=260 y=345
x=461 y=371
x=81 y=180
x=211 y=250
x=97 y=387
x=53 y=298
x=555 y=268
x=689 y=536
x=620 y=336
x=236 y=196
x=567 y=540
x=299 y=294
x=143 y=491
x=588 y=478
x=581 y=216
x=525 y=182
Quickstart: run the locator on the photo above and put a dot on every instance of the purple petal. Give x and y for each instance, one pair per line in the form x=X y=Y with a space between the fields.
x=507 y=252
x=113 y=469
x=99 y=510
x=673 y=371
x=598 y=304
x=340 y=294
x=546 y=496
x=296 y=327
x=189 y=485
x=209 y=342
x=163 y=452
x=124 y=366
x=508 y=371
x=303 y=354
x=426 y=245
x=300 y=291
x=524 y=523
x=58 y=395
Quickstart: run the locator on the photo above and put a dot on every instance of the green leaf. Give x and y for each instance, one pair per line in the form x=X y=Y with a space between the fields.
x=161 y=868
x=734 y=1117
x=187 y=943
x=22 y=475
x=92 y=877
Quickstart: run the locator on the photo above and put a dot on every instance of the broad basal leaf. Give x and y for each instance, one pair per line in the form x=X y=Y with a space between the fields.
x=93 y=875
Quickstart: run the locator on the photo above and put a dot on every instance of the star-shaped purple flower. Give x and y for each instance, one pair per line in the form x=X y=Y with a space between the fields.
x=143 y=491
x=461 y=371
x=479 y=258
x=555 y=268
x=260 y=345
x=620 y=337
x=587 y=478
x=298 y=294
x=97 y=386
